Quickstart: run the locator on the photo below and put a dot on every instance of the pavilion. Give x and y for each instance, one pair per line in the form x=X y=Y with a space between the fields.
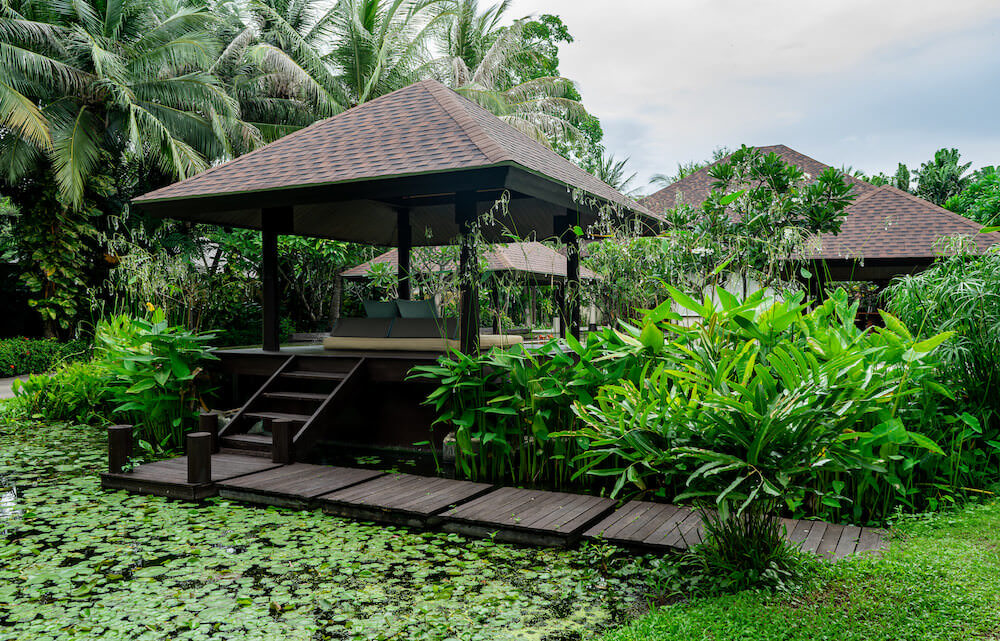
x=419 y=166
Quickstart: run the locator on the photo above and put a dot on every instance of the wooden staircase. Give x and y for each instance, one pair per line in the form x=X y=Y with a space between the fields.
x=304 y=390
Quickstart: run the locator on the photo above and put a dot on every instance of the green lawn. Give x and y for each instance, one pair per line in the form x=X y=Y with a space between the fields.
x=939 y=580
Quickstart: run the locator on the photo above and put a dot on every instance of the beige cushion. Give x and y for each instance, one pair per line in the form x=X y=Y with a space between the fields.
x=415 y=344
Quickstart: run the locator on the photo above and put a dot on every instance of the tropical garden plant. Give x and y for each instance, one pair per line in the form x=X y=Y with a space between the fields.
x=155 y=372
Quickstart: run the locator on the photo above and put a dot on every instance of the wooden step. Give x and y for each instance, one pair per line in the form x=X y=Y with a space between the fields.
x=248 y=443
x=297 y=396
x=295 y=418
x=315 y=376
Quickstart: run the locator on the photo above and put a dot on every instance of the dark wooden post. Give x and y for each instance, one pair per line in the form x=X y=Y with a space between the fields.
x=274 y=221
x=569 y=296
x=495 y=295
x=119 y=447
x=468 y=273
x=209 y=422
x=199 y=457
x=282 y=441
x=404 y=241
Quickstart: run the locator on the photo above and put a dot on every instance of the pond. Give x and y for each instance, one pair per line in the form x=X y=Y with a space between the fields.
x=80 y=562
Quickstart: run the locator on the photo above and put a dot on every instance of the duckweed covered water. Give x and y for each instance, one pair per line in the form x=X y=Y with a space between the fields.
x=77 y=562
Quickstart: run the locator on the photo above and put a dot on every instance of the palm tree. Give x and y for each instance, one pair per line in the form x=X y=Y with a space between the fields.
x=379 y=46
x=479 y=61
x=92 y=79
x=943 y=177
x=273 y=65
x=612 y=171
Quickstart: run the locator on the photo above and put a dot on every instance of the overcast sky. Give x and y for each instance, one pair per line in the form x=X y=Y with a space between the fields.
x=848 y=82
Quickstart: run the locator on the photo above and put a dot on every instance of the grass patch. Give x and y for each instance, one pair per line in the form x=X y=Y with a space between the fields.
x=939 y=580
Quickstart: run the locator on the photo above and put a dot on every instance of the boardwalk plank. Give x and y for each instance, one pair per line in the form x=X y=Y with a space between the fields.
x=300 y=480
x=831 y=538
x=870 y=540
x=848 y=542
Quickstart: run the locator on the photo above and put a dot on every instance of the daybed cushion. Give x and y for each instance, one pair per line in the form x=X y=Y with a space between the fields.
x=381 y=309
x=424 y=328
x=362 y=327
x=415 y=344
x=416 y=308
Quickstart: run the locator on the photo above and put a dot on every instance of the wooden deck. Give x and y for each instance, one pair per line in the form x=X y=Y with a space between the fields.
x=532 y=517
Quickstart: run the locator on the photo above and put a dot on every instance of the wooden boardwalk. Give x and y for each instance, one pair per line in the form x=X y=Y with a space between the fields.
x=533 y=517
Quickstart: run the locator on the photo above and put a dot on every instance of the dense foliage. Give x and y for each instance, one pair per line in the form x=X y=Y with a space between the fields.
x=961 y=294
x=759 y=401
x=76 y=392
x=751 y=231
x=102 y=101
x=980 y=200
x=19 y=356
x=756 y=398
x=154 y=370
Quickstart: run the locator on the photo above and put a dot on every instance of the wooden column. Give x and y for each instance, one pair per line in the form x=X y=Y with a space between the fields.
x=495 y=296
x=270 y=338
x=404 y=237
x=468 y=273
x=570 y=291
x=119 y=447
x=199 y=458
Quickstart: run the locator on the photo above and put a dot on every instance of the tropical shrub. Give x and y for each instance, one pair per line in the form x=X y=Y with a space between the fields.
x=960 y=294
x=19 y=356
x=504 y=405
x=154 y=368
x=761 y=402
x=74 y=392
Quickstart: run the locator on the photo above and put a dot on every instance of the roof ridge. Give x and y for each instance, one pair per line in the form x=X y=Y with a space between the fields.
x=445 y=97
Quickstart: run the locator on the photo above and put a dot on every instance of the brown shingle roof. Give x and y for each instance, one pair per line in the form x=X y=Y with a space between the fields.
x=882 y=223
x=535 y=259
x=423 y=128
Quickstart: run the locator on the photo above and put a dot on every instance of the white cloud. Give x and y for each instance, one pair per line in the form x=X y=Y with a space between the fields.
x=673 y=79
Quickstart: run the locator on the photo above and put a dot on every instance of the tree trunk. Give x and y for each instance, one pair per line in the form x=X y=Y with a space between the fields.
x=338 y=294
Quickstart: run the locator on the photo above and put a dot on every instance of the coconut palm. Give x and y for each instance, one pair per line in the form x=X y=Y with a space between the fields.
x=379 y=46
x=92 y=79
x=479 y=62
x=273 y=65
x=613 y=172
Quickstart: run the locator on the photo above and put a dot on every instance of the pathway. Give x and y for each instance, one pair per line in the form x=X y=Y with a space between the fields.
x=532 y=517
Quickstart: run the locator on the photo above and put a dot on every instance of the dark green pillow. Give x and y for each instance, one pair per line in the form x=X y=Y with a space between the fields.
x=381 y=309
x=416 y=308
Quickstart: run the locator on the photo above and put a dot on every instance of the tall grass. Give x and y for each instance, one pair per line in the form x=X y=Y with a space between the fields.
x=959 y=294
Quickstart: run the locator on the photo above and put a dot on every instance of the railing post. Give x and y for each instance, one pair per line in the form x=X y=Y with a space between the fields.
x=282 y=442
x=199 y=458
x=119 y=447
x=209 y=422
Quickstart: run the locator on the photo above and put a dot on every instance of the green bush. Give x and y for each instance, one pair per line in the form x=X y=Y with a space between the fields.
x=76 y=392
x=154 y=370
x=764 y=401
x=19 y=356
x=504 y=404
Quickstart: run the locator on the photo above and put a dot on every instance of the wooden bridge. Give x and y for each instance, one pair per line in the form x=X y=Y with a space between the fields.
x=532 y=517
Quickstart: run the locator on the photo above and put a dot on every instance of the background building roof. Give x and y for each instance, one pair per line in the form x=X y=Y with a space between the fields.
x=882 y=223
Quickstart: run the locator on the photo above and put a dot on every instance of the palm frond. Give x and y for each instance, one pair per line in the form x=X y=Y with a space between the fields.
x=74 y=153
x=23 y=117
